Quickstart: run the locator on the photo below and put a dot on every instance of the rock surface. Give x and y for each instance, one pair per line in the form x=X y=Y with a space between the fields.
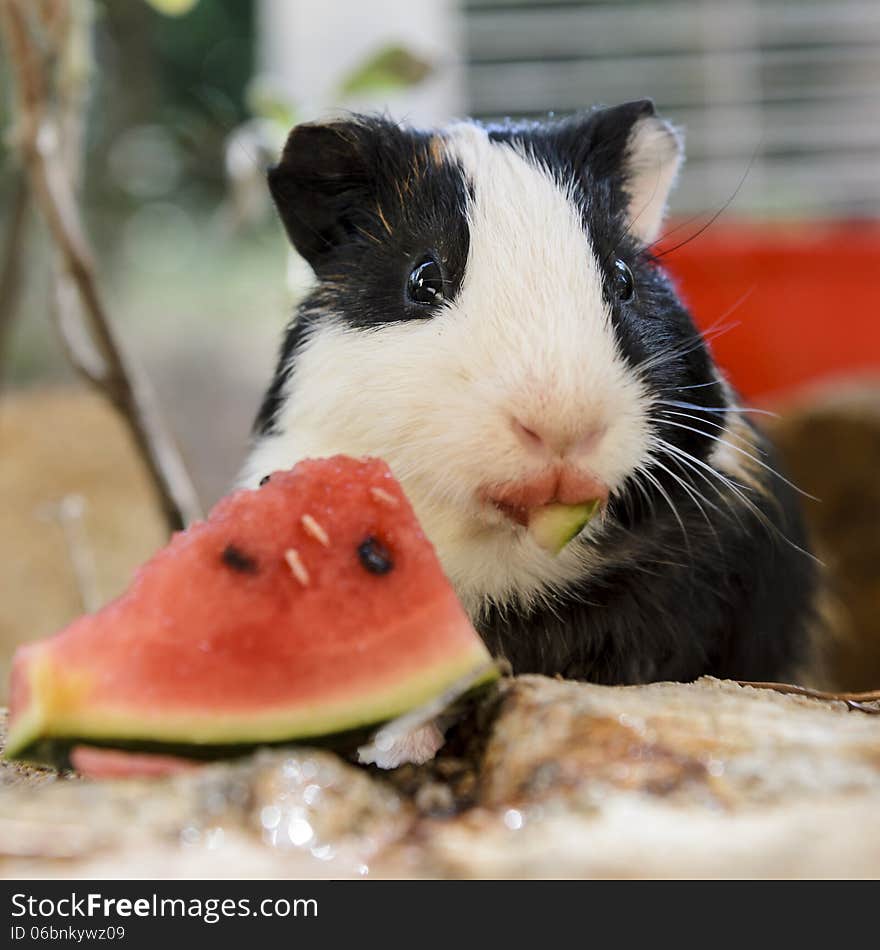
x=545 y=778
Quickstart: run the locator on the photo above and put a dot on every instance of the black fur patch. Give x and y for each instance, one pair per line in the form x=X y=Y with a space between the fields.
x=364 y=201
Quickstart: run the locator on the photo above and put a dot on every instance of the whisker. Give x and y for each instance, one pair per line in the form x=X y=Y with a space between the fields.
x=649 y=501
x=720 y=482
x=712 y=332
x=728 y=483
x=686 y=415
x=656 y=483
x=717 y=214
x=662 y=444
x=692 y=405
x=668 y=356
x=693 y=494
x=700 y=339
x=689 y=415
x=714 y=382
x=631 y=224
x=742 y=452
x=762 y=517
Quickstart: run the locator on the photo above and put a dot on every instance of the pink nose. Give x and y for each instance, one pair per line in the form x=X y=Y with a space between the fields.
x=545 y=440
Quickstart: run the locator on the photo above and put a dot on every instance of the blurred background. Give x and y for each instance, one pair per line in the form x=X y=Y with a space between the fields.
x=186 y=102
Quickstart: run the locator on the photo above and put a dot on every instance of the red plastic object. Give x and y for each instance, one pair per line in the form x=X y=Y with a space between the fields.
x=804 y=300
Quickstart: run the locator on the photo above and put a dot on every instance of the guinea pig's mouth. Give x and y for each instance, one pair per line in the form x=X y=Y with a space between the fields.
x=520 y=500
x=515 y=513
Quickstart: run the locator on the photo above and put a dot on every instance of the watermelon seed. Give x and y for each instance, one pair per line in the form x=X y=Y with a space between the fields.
x=297 y=568
x=239 y=561
x=375 y=557
x=314 y=530
x=264 y=479
x=383 y=496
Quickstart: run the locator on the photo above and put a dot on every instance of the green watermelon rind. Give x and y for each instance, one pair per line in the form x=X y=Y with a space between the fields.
x=345 y=714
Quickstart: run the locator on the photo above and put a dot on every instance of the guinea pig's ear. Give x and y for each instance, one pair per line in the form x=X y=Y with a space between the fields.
x=320 y=182
x=643 y=152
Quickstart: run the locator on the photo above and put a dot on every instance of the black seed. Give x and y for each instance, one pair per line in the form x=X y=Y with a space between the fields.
x=264 y=479
x=239 y=561
x=375 y=557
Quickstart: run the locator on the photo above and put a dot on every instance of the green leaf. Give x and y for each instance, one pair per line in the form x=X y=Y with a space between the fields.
x=391 y=68
x=173 y=7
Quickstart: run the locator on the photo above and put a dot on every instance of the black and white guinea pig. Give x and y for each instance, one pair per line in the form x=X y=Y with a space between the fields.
x=489 y=319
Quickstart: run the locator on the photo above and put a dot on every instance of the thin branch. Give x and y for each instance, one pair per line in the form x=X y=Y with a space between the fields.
x=13 y=252
x=72 y=332
x=39 y=137
x=853 y=700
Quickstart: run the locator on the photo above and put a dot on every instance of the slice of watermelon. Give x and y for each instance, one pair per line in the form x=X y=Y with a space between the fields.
x=310 y=606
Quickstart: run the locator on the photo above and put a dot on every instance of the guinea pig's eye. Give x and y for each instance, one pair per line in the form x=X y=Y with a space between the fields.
x=424 y=286
x=624 y=285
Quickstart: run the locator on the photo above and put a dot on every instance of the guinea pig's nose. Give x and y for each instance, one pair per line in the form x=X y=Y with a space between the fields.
x=528 y=436
x=549 y=441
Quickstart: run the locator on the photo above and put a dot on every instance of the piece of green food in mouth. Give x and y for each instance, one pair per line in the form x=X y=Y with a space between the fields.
x=553 y=526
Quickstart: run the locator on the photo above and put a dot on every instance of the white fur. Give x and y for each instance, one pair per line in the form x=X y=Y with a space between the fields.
x=653 y=157
x=528 y=336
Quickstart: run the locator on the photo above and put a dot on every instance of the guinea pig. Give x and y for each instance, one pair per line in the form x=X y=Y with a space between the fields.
x=489 y=318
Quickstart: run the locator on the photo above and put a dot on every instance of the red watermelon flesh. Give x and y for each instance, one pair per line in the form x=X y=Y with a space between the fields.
x=312 y=605
x=95 y=762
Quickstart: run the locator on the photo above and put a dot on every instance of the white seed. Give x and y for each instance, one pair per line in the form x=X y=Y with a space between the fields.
x=314 y=530
x=383 y=496
x=297 y=568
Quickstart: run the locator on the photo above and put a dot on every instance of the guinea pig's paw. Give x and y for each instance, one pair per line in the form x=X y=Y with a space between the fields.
x=416 y=747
